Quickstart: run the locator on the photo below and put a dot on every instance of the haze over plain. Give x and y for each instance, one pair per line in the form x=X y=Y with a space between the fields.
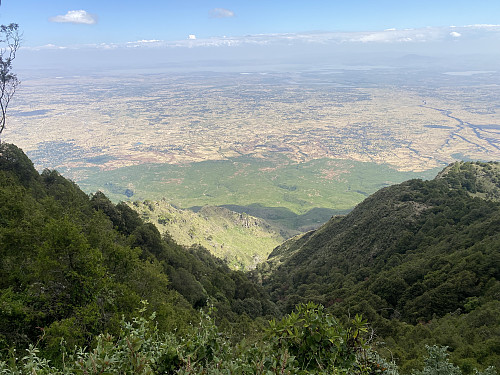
x=113 y=85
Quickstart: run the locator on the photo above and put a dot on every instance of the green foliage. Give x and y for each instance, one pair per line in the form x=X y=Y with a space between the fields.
x=72 y=265
x=437 y=363
x=141 y=348
x=18 y=165
x=420 y=260
x=477 y=178
x=318 y=342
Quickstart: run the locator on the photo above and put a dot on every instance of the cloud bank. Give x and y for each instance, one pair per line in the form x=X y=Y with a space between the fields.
x=424 y=47
x=76 y=17
x=406 y=37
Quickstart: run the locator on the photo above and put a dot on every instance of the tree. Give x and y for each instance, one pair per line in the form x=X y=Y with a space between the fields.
x=10 y=39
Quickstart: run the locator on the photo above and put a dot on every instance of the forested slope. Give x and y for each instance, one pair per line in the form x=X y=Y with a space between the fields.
x=72 y=265
x=420 y=260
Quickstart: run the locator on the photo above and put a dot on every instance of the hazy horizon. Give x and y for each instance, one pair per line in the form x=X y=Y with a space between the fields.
x=467 y=47
x=81 y=37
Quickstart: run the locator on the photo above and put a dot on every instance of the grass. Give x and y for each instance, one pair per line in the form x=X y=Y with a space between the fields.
x=241 y=240
x=291 y=196
x=243 y=181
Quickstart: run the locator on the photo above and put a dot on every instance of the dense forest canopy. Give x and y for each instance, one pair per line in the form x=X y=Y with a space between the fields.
x=420 y=261
x=74 y=265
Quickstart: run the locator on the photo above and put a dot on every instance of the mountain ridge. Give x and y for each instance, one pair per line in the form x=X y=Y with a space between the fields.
x=421 y=253
x=75 y=265
x=420 y=260
x=241 y=240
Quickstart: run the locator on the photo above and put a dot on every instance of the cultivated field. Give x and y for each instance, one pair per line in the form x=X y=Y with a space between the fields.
x=297 y=140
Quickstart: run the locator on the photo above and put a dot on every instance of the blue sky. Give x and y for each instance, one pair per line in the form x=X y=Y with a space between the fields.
x=112 y=21
x=97 y=34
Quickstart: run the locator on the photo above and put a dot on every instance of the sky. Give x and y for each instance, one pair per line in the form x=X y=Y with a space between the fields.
x=113 y=21
x=73 y=25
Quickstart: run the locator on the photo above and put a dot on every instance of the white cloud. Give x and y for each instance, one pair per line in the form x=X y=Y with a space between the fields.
x=483 y=26
x=145 y=41
x=76 y=16
x=390 y=36
x=49 y=46
x=106 y=46
x=136 y=44
x=395 y=36
x=375 y=37
x=221 y=13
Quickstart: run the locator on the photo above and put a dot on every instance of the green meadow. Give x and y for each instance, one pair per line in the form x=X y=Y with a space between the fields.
x=272 y=182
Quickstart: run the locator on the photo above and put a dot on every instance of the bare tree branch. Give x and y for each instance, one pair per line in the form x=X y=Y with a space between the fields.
x=10 y=41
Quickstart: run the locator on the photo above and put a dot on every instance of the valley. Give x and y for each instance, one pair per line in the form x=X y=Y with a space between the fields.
x=419 y=260
x=292 y=148
x=259 y=188
x=115 y=131
x=275 y=181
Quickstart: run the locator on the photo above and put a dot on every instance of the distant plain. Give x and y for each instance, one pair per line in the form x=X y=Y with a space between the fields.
x=298 y=139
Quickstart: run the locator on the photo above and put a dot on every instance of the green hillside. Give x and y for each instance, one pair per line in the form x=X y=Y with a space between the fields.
x=275 y=181
x=478 y=179
x=421 y=260
x=241 y=240
x=72 y=265
x=75 y=271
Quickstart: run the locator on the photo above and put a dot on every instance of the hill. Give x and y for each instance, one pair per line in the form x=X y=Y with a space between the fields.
x=478 y=179
x=75 y=271
x=421 y=260
x=241 y=240
x=73 y=265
